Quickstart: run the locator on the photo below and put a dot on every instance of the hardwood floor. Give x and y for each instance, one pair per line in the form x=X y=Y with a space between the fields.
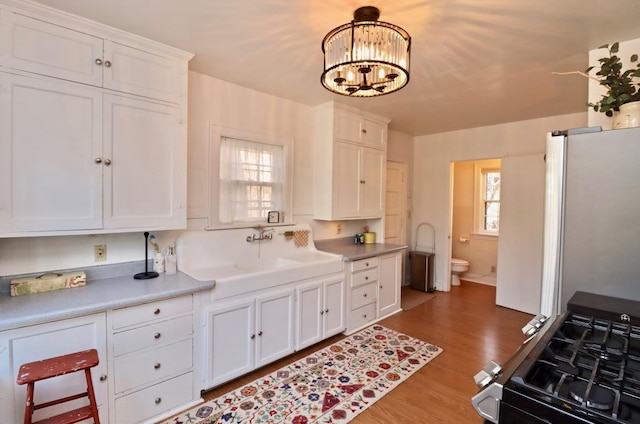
x=470 y=328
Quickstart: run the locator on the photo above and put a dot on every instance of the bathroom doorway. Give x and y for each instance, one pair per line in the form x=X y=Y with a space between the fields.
x=475 y=217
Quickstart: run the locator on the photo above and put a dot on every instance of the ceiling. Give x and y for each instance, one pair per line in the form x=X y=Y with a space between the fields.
x=473 y=62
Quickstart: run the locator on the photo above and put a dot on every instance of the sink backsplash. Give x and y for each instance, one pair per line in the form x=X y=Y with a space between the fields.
x=205 y=249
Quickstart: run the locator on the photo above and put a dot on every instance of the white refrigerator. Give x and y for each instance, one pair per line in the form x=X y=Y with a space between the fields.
x=592 y=215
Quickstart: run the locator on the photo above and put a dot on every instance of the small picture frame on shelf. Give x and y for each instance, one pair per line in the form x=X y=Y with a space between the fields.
x=273 y=217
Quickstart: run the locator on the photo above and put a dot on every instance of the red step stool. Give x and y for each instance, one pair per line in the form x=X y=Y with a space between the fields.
x=54 y=367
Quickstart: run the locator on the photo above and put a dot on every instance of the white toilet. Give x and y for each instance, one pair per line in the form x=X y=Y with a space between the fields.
x=458 y=266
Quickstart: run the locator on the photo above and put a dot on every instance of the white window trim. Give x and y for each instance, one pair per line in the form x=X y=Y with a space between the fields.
x=213 y=174
x=478 y=202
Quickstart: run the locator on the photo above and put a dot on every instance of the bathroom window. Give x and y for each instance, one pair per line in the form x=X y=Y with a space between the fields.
x=252 y=179
x=487 y=208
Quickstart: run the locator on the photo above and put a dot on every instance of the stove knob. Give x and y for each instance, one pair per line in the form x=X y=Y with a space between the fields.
x=625 y=318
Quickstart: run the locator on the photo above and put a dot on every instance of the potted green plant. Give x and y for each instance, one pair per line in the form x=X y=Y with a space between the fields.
x=622 y=86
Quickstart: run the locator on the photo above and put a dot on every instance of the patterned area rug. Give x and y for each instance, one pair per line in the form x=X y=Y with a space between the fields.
x=332 y=385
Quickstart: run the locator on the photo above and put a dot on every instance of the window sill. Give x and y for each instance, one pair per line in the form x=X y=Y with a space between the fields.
x=485 y=236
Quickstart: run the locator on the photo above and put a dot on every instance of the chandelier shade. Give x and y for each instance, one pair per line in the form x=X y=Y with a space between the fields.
x=366 y=57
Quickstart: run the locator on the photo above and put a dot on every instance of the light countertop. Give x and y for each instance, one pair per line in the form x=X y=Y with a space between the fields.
x=98 y=295
x=350 y=251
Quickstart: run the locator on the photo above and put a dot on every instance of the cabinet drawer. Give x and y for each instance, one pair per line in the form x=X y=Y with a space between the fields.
x=364 y=277
x=364 y=264
x=362 y=295
x=152 y=335
x=361 y=316
x=152 y=365
x=154 y=400
x=151 y=311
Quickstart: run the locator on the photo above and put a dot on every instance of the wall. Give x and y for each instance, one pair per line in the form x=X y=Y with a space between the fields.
x=481 y=250
x=436 y=152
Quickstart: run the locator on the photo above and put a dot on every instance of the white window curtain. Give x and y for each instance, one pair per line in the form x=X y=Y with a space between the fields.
x=251 y=180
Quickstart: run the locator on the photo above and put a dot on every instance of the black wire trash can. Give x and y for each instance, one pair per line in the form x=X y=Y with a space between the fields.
x=421 y=271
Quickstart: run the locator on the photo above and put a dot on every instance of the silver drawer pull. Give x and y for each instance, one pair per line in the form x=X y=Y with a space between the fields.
x=157 y=335
x=158 y=400
x=156 y=365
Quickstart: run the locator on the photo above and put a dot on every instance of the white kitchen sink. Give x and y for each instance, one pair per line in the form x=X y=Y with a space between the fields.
x=238 y=266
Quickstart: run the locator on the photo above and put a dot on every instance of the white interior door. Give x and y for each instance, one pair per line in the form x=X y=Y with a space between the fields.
x=520 y=245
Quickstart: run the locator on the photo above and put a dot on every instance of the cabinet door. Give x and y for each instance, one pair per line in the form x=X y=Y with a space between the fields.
x=35 y=46
x=50 y=138
x=372 y=183
x=229 y=344
x=144 y=184
x=373 y=134
x=346 y=181
x=134 y=71
x=274 y=327
x=346 y=126
x=334 y=306
x=39 y=342
x=309 y=314
x=389 y=272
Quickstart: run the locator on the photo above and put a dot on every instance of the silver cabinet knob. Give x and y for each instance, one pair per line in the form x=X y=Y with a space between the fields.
x=365 y=295
x=156 y=365
x=366 y=278
x=107 y=162
x=98 y=160
x=156 y=311
x=103 y=377
x=364 y=131
x=260 y=333
x=362 y=181
x=364 y=316
x=326 y=311
x=157 y=335
x=158 y=400
x=98 y=61
x=253 y=336
x=321 y=312
x=107 y=64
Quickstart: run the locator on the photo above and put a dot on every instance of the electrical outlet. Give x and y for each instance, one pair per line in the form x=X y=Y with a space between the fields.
x=493 y=269
x=340 y=226
x=100 y=252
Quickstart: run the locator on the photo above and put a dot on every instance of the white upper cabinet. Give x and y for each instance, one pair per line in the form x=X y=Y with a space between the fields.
x=45 y=48
x=50 y=140
x=350 y=156
x=92 y=127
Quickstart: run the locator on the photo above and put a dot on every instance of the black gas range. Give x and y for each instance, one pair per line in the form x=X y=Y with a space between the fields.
x=584 y=367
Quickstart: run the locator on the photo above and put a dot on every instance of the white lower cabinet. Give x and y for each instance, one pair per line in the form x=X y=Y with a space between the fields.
x=247 y=334
x=153 y=359
x=389 y=282
x=320 y=310
x=43 y=341
x=374 y=289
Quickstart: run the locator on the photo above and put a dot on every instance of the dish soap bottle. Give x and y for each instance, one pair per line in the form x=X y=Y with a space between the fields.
x=170 y=261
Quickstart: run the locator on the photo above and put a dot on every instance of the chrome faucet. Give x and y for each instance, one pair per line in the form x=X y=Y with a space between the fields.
x=264 y=235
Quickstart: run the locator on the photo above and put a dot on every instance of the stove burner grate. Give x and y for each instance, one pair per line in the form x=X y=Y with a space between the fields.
x=598 y=397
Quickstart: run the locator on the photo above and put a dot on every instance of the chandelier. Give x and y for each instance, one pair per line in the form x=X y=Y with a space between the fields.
x=366 y=58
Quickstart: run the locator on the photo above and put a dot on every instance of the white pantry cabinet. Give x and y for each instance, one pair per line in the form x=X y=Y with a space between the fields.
x=34 y=45
x=92 y=127
x=349 y=173
x=248 y=334
x=320 y=310
x=74 y=158
x=43 y=341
